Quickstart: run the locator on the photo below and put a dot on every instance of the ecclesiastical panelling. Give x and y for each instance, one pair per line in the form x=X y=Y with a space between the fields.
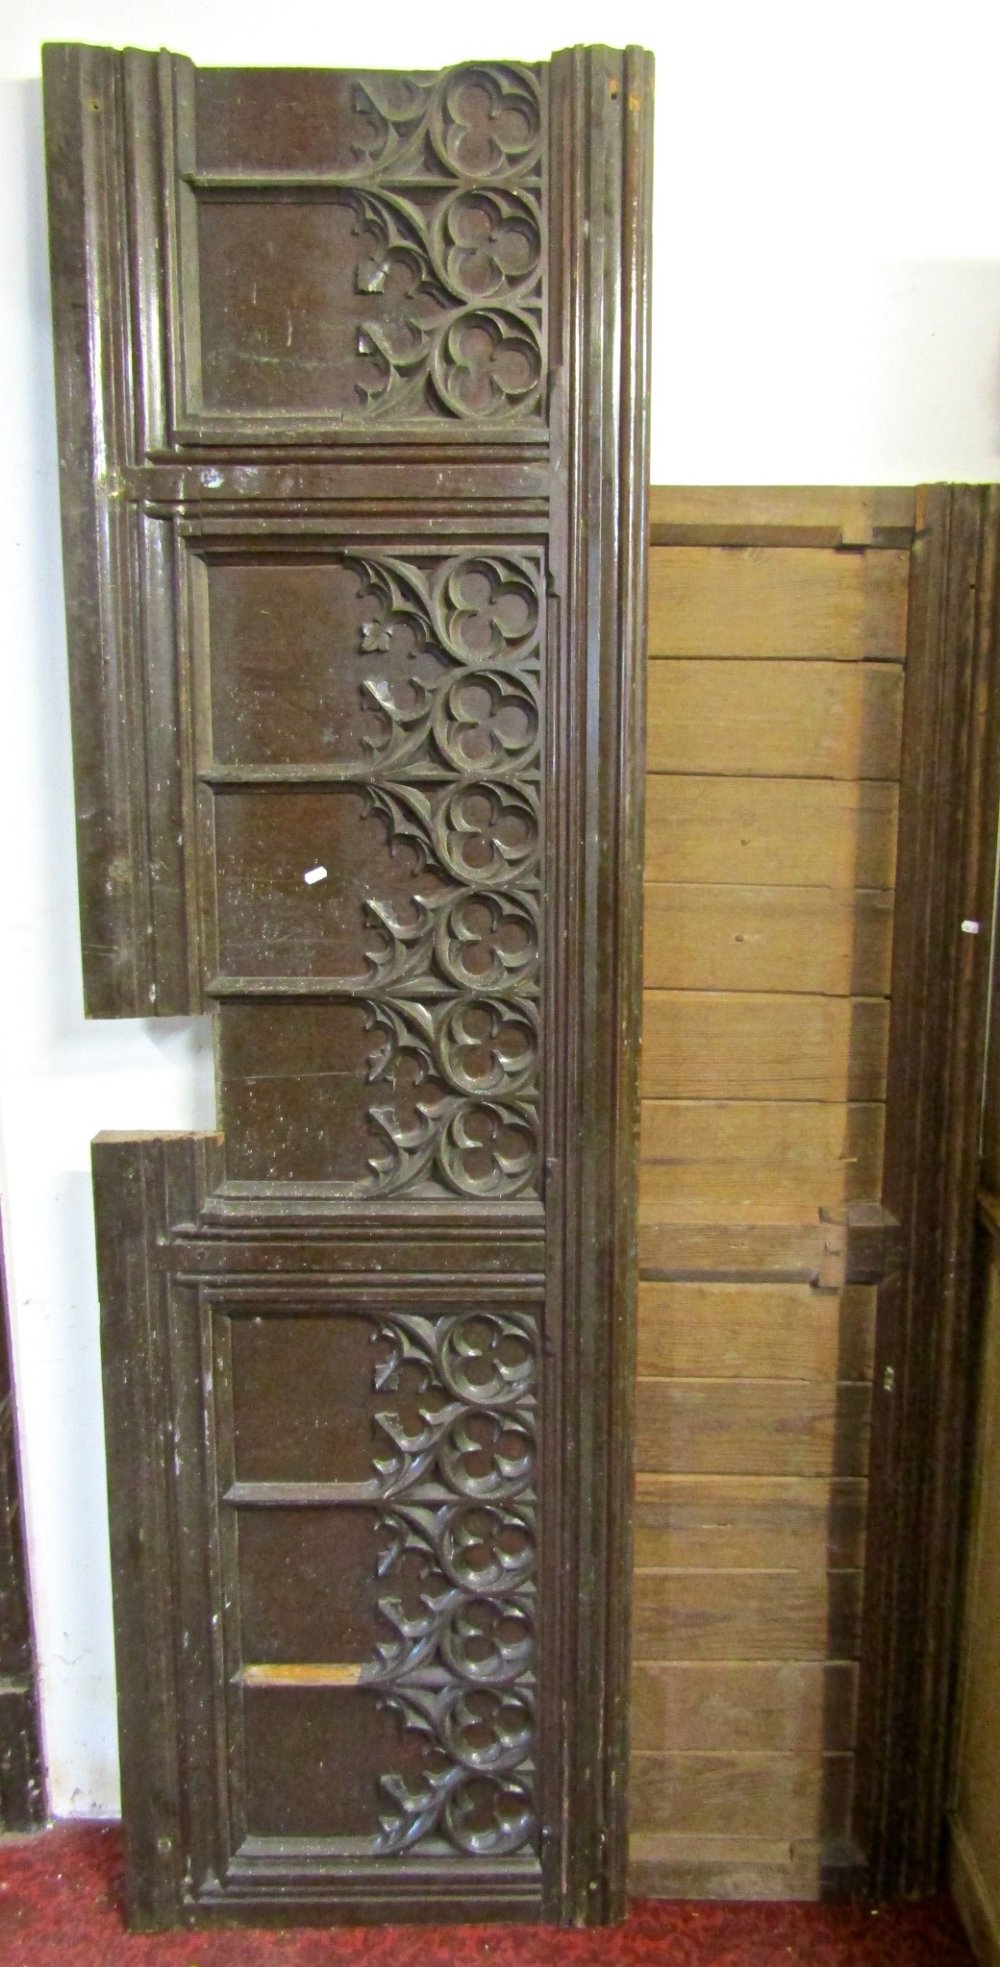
x=432 y=803
x=426 y=251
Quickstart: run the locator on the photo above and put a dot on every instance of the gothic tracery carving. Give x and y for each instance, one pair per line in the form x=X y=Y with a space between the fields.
x=458 y=1667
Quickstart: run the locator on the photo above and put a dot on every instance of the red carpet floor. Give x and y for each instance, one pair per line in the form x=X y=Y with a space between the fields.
x=60 y=1906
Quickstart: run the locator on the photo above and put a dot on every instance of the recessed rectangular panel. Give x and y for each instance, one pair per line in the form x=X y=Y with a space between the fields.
x=307 y=1584
x=309 y=119
x=296 y=314
x=301 y=1391
x=389 y=271
x=301 y=876
x=295 y=1092
x=286 y=658
x=314 y=1757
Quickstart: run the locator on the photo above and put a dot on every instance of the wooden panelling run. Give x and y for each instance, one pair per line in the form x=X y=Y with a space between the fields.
x=806 y=720
x=757 y=1161
x=746 y=1615
x=752 y=1427
x=718 y=937
x=975 y=1815
x=744 y=1706
x=820 y=833
x=782 y=1795
x=755 y=601
x=777 y=637
x=754 y=1045
x=755 y=1332
x=760 y=1522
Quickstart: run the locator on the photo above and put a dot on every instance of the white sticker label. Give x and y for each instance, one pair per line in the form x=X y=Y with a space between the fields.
x=970 y=928
x=314 y=874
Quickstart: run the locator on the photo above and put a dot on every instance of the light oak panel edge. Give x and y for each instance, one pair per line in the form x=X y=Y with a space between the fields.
x=749 y=1522
x=752 y=1331
x=755 y=1045
x=790 y=1707
x=806 y=602
x=831 y=833
x=757 y=1161
x=775 y=719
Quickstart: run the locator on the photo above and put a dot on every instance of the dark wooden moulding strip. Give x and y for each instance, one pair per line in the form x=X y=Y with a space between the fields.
x=925 y=1337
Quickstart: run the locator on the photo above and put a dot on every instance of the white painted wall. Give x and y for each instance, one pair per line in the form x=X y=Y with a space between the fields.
x=827 y=310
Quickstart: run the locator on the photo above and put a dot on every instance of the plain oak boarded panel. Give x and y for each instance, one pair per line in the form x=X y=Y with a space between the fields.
x=757 y=1160
x=775 y=719
x=755 y=1522
x=786 y=1796
x=756 y=601
x=788 y=1706
x=752 y=1427
x=754 y=1331
x=703 y=1045
x=675 y=1867
x=729 y=937
x=824 y=832
x=749 y=1615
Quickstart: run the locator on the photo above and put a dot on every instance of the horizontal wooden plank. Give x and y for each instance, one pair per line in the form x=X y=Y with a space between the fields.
x=723 y=936
x=746 y=1615
x=754 y=1331
x=807 y=602
x=729 y=1252
x=804 y=720
x=788 y=1707
x=662 y=1866
x=770 y=515
x=751 y=1427
x=711 y=1045
x=757 y=1160
x=749 y=1522
x=730 y=1795
x=826 y=832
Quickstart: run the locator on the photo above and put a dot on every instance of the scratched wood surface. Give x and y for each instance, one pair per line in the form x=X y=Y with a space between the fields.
x=777 y=640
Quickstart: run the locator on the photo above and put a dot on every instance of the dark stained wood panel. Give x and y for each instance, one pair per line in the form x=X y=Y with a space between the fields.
x=354 y=479
x=22 y=1802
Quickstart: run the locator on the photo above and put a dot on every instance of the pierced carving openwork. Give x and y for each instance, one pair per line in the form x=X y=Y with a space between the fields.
x=457 y=976
x=457 y=1662
x=447 y=206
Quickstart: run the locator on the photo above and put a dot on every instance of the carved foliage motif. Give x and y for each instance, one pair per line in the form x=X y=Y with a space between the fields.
x=446 y=200
x=457 y=1664
x=453 y=983
x=464 y=336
